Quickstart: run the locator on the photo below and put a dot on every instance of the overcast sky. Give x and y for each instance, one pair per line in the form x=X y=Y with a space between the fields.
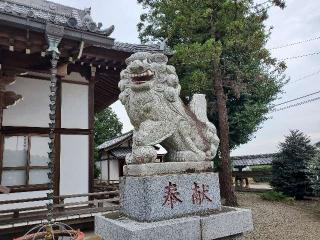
x=299 y=21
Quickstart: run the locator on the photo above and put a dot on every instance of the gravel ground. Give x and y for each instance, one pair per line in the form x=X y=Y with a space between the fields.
x=280 y=221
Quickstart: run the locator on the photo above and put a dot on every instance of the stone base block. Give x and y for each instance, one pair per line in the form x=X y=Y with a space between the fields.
x=149 y=169
x=126 y=229
x=229 y=222
x=156 y=198
x=233 y=222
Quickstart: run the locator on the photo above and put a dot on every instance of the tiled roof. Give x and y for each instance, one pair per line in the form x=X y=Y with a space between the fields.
x=46 y=11
x=251 y=160
x=42 y=11
x=115 y=141
x=129 y=47
x=121 y=153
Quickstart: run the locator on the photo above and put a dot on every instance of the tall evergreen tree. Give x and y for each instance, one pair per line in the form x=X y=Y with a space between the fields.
x=314 y=172
x=290 y=167
x=106 y=126
x=220 y=51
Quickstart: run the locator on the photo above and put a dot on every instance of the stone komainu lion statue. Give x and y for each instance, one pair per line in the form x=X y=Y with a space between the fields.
x=150 y=93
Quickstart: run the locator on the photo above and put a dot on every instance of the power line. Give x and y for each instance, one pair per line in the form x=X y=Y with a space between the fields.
x=296 y=104
x=300 y=56
x=235 y=58
x=305 y=77
x=295 y=43
x=308 y=95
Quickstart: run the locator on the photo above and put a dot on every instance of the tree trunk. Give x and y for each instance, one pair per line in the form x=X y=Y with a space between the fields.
x=227 y=190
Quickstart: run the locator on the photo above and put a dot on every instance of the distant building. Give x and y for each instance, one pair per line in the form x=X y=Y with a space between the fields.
x=112 y=156
x=240 y=162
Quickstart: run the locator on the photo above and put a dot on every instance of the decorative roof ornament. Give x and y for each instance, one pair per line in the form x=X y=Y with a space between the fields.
x=108 y=31
x=72 y=22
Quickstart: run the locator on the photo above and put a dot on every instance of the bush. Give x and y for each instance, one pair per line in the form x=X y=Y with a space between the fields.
x=290 y=166
x=314 y=176
x=97 y=171
x=276 y=197
x=262 y=179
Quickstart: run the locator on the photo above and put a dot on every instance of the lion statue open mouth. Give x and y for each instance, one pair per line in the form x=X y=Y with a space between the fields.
x=150 y=93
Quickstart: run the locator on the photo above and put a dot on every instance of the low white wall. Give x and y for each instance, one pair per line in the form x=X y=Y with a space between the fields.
x=22 y=195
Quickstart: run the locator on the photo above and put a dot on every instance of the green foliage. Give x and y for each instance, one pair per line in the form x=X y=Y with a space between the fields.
x=290 y=166
x=274 y=196
x=314 y=173
x=265 y=168
x=106 y=126
x=97 y=171
x=232 y=33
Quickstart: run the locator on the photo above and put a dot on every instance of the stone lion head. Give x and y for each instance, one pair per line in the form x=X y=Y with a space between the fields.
x=149 y=71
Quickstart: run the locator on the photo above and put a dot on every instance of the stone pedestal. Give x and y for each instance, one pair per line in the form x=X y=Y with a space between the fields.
x=172 y=201
x=155 y=198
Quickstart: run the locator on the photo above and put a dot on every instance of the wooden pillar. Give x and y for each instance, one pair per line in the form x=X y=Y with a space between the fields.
x=1 y=117
x=91 y=127
x=1 y=151
x=1 y=143
x=247 y=183
x=108 y=170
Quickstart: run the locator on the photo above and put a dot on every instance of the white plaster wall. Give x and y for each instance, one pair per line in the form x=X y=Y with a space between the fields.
x=74 y=109
x=114 y=170
x=74 y=165
x=22 y=195
x=103 y=165
x=33 y=110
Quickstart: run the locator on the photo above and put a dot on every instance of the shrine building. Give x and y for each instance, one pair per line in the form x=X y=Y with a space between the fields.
x=87 y=65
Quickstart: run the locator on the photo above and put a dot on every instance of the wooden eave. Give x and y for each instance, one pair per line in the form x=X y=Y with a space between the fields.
x=108 y=62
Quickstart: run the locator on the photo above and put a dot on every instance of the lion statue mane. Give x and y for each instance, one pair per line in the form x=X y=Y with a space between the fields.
x=150 y=93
